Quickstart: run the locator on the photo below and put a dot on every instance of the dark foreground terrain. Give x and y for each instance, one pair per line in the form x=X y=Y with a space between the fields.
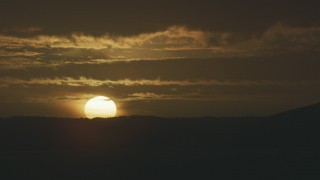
x=284 y=146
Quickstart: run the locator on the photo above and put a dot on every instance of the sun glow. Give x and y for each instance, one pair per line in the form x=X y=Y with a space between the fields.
x=100 y=107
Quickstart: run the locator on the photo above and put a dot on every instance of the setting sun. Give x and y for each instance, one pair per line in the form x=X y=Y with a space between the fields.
x=100 y=107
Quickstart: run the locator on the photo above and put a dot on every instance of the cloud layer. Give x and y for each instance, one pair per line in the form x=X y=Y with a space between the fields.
x=173 y=42
x=176 y=66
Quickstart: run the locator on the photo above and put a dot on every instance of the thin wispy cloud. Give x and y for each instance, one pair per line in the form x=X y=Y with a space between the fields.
x=31 y=29
x=83 y=81
x=288 y=38
x=173 y=37
x=4 y=53
x=195 y=96
x=18 y=63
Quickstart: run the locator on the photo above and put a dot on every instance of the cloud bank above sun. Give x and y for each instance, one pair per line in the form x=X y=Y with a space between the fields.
x=172 y=43
x=201 y=71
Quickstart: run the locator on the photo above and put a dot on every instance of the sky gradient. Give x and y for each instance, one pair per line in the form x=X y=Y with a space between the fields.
x=194 y=58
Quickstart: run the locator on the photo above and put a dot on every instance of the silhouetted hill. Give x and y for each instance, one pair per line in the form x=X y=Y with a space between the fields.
x=284 y=146
x=308 y=114
x=295 y=128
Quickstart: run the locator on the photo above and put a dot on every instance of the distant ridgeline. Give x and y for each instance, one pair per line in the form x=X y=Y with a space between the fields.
x=285 y=146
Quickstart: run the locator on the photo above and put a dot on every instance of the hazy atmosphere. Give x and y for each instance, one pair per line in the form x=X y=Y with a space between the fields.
x=160 y=90
x=180 y=58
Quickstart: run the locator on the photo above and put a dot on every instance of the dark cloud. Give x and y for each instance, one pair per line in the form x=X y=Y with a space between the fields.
x=128 y=17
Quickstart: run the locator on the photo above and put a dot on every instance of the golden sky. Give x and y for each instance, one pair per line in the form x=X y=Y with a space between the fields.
x=195 y=58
